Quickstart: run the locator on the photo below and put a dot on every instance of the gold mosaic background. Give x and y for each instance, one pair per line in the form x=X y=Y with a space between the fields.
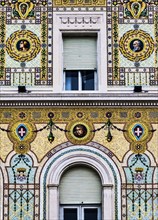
x=65 y=118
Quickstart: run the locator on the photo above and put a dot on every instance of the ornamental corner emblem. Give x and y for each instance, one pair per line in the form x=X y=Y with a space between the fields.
x=136 y=9
x=23 y=9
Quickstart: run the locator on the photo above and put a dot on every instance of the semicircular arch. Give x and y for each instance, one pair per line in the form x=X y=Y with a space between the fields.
x=77 y=155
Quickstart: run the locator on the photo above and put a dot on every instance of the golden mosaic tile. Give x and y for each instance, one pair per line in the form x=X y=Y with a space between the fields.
x=41 y=145
x=6 y=146
x=119 y=146
x=153 y=143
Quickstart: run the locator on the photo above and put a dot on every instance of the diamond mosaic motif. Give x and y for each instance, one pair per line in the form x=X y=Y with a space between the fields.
x=138 y=131
x=21 y=131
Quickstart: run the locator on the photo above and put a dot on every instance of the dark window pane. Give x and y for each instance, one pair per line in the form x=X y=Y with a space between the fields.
x=71 y=81
x=70 y=214
x=87 y=80
x=90 y=214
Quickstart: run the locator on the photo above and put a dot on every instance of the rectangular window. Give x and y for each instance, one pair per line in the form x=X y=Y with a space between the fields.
x=71 y=80
x=80 y=80
x=80 y=62
x=80 y=213
x=70 y=213
x=90 y=214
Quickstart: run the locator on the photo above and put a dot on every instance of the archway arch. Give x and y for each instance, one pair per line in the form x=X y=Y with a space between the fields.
x=80 y=155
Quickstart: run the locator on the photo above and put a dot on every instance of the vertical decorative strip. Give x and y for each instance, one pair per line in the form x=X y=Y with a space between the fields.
x=133 y=190
x=115 y=46
x=146 y=175
x=2 y=43
x=156 y=38
x=44 y=51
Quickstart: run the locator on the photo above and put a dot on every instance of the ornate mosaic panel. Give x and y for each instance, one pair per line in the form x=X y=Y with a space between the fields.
x=25 y=43
x=140 y=190
x=74 y=3
x=33 y=135
x=21 y=194
x=132 y=42
x=26 y=40
x=27 y=129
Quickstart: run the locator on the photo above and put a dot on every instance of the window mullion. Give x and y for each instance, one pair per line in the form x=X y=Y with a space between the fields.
x=95 y=80
x=64 y=79
x=79 y=80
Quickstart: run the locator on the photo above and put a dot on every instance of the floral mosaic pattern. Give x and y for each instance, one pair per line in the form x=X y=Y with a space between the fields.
x=23 y=43
x=140 y=190
x=131 y=61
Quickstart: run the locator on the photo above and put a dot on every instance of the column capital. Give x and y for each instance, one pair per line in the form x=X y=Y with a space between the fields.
x=108 y=185
x=52 y=185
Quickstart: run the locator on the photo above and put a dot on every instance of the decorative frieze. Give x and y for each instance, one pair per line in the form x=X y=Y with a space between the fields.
x=80 y=20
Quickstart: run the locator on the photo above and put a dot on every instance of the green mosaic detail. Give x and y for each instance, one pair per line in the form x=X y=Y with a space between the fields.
x=44 y=43
x=156 y=38
x=21 y=196
x=115 y=50
x=140 y=198
x=2 y=42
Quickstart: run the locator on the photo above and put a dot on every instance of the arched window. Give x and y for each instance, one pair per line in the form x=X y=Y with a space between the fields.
x=82 y=183
x=80 y=193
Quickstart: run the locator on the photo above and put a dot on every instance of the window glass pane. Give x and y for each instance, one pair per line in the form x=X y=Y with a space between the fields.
x=90 y=214
x=87 y=79
x=70 y=214
x=71 y=80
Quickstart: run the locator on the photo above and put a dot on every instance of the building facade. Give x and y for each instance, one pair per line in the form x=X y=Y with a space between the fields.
x=79 y=110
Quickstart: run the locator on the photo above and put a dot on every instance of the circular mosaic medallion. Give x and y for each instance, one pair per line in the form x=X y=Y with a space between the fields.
x=136 y=45
x=21 y=148
x=80 y=132
x=138 y=148
x=23 y=45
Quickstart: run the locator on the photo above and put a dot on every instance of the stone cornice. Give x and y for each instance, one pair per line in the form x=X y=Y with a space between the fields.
x=79 y=103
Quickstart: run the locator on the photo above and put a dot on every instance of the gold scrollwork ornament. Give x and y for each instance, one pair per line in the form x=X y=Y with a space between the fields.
x=138 y=147
x=23 y=45
x=136 y=9
x=136 y=45
x=21 y=148
x=23 y=9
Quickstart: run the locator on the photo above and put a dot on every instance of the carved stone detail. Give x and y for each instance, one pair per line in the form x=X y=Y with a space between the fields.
x=80 y=20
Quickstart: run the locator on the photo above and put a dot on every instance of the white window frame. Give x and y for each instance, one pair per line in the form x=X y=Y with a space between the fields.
x=80 y=82
x=61 y=26
x=96 y=71
x=69 y=207
x=80 y=210
x=92 y=207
